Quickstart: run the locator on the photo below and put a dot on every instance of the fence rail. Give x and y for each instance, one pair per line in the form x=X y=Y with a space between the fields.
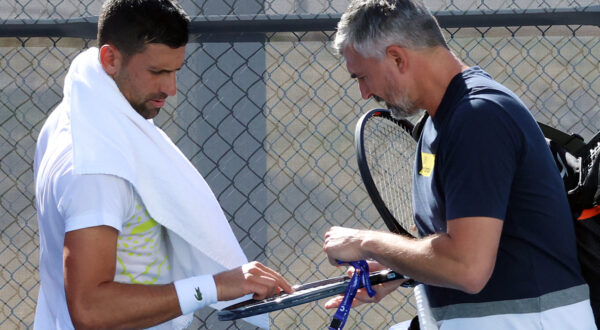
x=86 y=27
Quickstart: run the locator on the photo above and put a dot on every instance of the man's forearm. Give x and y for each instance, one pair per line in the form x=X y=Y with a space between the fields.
x=118 y=305
x=463 y=258
x=417 y=259
x=412 y=257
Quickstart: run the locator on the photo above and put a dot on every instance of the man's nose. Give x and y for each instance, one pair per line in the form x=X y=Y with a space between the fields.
x=169 y=84
x=364 y=91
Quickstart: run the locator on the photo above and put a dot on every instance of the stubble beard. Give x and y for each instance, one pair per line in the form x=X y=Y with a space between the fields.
x=145 y=111
x=402 y=106
x=141 y=107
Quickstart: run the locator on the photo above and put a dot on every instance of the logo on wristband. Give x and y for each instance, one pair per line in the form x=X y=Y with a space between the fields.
x=198 y=294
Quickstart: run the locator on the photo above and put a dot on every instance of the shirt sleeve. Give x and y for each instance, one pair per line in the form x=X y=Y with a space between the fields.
x=479 y=161
x=94 y=200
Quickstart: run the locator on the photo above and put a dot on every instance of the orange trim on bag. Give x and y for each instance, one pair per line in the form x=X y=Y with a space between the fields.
x=588 y=213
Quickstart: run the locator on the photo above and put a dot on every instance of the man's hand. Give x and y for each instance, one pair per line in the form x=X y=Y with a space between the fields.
x=343 y=244
x=382 y=289
x=252 y=277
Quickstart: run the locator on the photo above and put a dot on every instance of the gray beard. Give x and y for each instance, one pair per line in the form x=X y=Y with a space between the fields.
x=398 y=111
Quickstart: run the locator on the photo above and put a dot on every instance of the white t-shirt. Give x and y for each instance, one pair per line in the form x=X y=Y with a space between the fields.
x=67 y=202
x=141 y=251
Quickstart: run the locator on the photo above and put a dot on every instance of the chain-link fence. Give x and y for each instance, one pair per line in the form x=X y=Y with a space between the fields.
x=267 y=116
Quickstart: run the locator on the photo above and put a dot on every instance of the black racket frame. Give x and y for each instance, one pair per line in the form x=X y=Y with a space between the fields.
x=363 y=167
x=324 y=288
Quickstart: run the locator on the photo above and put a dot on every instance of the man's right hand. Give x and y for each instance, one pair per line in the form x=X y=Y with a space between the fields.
x=253 y=277
x=382 y=289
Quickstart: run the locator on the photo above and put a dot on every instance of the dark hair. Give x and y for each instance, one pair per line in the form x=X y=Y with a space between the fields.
x=370 y=26
x=131 y=24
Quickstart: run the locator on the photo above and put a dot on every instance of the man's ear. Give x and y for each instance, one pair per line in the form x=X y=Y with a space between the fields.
x=111 y=59
x=399 y=55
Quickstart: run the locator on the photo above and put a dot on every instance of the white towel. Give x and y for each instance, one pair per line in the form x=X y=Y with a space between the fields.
x=110 y=137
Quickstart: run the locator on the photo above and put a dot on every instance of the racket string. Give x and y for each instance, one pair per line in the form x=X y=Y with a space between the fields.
x=390 y=156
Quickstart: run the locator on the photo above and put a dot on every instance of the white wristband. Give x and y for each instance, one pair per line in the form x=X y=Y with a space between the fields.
x=195 y=292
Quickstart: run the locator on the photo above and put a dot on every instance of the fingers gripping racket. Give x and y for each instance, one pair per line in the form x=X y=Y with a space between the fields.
x=385 y=150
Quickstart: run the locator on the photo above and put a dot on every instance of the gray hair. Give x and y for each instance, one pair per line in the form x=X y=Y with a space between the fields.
x=370 y=26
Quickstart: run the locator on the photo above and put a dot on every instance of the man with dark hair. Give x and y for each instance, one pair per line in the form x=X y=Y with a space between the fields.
x=130 y=234
x=497 y=245
x=157 y=22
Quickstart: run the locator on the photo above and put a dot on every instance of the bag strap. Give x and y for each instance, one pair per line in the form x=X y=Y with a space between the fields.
x=418 y=128
x=573 y=143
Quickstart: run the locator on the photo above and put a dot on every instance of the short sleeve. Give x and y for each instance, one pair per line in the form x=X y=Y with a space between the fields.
x=91 y=200
x=480 y=161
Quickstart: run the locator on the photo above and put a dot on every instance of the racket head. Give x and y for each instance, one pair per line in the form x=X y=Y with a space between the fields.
x=385 y=150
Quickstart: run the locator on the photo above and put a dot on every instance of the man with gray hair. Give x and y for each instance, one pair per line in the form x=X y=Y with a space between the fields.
x=497 y=245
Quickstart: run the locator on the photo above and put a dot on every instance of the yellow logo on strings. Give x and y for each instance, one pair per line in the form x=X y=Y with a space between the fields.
x=427 y=161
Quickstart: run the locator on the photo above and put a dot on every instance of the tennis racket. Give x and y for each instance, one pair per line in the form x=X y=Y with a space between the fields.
x=337 y=285
x=304 y=294
x=385 y=150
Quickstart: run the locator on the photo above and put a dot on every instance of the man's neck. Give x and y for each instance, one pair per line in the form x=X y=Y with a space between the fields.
x=440 y=67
